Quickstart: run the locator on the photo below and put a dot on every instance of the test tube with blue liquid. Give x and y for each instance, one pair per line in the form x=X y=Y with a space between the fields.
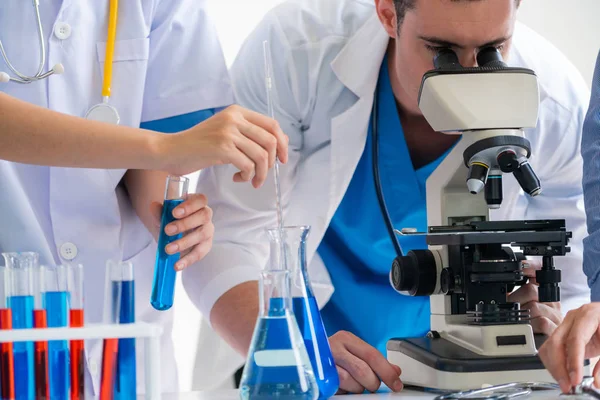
x=123 y=298
x=163 y=286
x=21 y=299
x=56 y=303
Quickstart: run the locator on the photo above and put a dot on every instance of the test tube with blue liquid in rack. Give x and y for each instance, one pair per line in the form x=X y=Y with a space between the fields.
x=56 y=302
x=123 y=302
x=21 y=267
x=163 y=286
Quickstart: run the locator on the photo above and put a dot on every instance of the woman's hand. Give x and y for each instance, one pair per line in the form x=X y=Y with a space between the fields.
x=194 y=220
x=248 y=140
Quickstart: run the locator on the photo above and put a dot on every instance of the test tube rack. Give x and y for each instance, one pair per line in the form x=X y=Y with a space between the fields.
x=150 y=333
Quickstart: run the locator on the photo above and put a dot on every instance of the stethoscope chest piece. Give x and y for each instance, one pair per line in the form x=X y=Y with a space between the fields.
x=103 y=112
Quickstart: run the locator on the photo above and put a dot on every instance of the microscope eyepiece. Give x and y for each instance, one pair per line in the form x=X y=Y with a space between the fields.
x=490 y=57
x=446 y=59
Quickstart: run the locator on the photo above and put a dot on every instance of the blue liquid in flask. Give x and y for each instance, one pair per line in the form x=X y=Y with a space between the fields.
x=315 y=338
x=163 y=287
x=125 y=382
x=59 y=360
x=22 y=311
x=277 y=369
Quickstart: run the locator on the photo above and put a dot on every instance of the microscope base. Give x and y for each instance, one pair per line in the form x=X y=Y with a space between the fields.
x=441 y=364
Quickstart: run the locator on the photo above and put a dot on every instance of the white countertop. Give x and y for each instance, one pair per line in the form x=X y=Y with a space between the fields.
x=405 y=395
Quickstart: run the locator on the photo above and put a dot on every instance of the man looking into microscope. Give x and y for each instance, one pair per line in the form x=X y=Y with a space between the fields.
x=330 y=59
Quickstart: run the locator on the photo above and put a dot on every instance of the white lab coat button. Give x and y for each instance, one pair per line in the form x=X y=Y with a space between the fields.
x=62 y=30
x=68 y=251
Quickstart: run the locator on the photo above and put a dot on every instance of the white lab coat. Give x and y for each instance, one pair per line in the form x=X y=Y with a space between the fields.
x=327 y=56
x=167 y=62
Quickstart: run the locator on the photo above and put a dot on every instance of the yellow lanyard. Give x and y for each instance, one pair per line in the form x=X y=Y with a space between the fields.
x=110 y=47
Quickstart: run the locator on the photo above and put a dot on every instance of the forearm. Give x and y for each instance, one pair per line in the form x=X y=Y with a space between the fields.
x=144 y=188
x=34 y=135
x=234 y=316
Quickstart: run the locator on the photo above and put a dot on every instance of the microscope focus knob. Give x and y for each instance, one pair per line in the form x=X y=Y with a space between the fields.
x=415 y=273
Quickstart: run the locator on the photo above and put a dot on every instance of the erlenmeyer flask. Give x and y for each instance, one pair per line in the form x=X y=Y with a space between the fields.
x=277 y=366
x=308 y=315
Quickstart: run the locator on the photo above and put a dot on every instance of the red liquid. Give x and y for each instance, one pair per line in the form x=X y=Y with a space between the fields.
x=109 y=368
x=77 y=359
x=7 y=365
x=42 y=387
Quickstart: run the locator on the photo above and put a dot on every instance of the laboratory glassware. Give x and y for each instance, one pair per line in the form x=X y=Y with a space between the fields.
x=7 y=368
x=306 y=309
x=56 y=302
x=277 y=365
x=76 y=316
x=123 y=293
x=112 y=309
x=163 y=286
x=40 y=321
x=21 y=269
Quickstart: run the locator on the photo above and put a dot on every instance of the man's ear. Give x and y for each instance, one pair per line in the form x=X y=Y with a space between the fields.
x=386 y=11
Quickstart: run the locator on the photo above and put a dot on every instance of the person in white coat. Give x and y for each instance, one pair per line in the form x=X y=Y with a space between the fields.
x=168 y=75
x=331 y=58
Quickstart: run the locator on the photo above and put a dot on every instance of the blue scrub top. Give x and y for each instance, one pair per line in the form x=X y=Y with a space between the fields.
x=357 y=249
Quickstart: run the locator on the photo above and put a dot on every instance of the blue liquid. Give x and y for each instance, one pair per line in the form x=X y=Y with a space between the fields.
x=315 y=338
x=125 y=383
x=163 y=287
x=56 y=305
x=22 y=311
x=275 y=368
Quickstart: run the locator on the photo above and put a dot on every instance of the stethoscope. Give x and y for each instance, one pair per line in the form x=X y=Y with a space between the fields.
x=103 y=112
x=376 y=178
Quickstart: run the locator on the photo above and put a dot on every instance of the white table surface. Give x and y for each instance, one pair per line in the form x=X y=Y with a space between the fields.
x=405 y=395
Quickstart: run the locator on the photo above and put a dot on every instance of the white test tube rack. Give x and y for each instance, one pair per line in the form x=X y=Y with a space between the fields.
x=150 y=333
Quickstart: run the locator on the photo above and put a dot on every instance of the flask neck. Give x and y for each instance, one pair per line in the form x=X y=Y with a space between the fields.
x=274 y=293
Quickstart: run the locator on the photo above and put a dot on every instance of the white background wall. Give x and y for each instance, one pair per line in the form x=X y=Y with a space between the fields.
x=572 y=25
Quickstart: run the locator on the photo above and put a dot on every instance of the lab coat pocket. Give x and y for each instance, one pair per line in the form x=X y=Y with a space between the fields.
x=130 y=64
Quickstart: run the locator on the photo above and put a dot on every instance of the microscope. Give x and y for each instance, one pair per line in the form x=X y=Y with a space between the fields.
x=478 y=337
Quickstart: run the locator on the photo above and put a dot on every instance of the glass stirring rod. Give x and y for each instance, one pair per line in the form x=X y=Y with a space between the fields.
x=271 y=112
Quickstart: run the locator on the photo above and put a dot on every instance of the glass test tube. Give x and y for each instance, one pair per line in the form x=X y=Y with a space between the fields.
x=21 y=269
x=76 y=321
x=7 y=368
x=123 y=281
x=163 y=286
x=40 y=321
x=55 y=296
x=112 y=300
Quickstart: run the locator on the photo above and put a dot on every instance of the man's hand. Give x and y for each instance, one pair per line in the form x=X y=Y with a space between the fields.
x=545 y=316
x=194 y=219
x=576 y=339
x=360 y=366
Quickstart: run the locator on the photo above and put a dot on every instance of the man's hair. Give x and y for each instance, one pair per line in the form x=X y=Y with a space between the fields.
x=402 y=6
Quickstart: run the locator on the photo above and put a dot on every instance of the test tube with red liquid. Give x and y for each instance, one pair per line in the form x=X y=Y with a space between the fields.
x=7 y=364
x=112 y=310
x=76 y=321
x=40 y=321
